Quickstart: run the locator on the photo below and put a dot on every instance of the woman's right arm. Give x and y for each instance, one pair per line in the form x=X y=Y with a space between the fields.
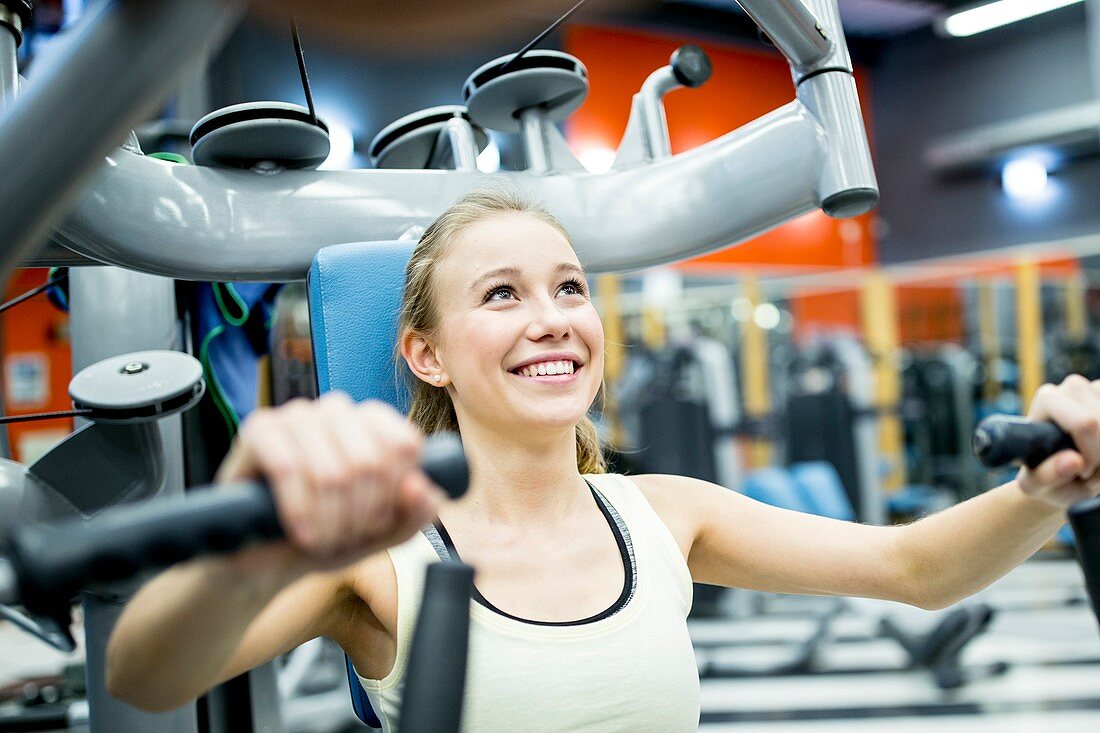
x=346 y=485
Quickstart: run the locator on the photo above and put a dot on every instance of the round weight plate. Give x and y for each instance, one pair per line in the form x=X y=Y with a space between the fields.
x=139 y=384
x=553 y=80
x=410 y=142
x=243 y=135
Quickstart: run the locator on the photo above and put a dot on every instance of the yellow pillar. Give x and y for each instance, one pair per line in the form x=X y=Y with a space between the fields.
x=1029 y=329
x=990 y=337
x=610 y=288
x=880 y=332
x=754 y=367
x=653 y=327
x=1076 y=319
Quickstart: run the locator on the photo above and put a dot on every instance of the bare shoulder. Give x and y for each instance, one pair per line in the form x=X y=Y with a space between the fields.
x=373 y=583
x=369 y=637
x=675 y=494
x=677 y=500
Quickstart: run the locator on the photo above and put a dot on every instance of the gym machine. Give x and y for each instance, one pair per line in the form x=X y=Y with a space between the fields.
x=97 y=203
x=117 y=454
x=195 y=223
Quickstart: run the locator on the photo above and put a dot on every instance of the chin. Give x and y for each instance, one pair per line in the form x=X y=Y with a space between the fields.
x=553 y=420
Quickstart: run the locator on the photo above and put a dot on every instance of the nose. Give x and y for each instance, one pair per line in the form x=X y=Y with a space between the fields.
x=548 y=320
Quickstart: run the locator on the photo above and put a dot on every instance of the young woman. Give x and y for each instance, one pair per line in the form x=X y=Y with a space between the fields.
x=583 y=578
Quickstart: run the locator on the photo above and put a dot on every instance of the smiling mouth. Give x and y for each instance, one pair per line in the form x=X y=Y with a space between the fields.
x=563 y=368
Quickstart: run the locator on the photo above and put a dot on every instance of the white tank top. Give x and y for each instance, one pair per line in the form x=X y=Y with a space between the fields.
x=628 y=669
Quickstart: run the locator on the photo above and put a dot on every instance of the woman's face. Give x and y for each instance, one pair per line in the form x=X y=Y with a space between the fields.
x=519 y=341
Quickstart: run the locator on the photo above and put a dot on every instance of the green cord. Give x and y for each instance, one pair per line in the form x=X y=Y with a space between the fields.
x=216 y=393
x=241 y=305
x=170 y=157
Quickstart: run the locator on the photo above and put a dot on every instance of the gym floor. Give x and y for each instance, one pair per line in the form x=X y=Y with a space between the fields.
x=1043 y=630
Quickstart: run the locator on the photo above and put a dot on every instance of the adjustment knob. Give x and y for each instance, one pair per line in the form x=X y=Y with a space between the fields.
x=691 y=65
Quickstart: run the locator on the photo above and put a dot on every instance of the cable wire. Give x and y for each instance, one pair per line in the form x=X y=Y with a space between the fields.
x=537 y=39
x=33 y=292
x=302 y=69
x=5 y=419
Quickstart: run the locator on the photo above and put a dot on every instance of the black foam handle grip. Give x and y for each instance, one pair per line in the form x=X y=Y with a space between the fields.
x=1084 y=517
x=1000 y=440
x=55 y=561
x=445 y=463
x=436 y=681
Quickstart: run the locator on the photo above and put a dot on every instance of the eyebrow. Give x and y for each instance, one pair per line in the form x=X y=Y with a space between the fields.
x=514 y=272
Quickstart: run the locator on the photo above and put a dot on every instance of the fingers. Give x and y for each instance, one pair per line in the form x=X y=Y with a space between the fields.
x=344 y=475
x=417 y=504
x=1058 y=470
x=1074 y=406
x=265 y=449
x=378 y=447
x=328 y=477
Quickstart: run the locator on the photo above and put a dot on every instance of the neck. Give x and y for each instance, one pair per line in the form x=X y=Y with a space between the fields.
x=518 y=482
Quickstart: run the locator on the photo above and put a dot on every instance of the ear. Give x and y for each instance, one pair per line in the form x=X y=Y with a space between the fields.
x=422 y=358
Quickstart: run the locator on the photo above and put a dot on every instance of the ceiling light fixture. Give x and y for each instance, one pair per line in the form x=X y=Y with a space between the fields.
x=985 y=17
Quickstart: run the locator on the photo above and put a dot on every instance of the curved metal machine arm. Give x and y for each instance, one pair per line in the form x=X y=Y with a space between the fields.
x=206 y=224
x=117 y=64
x=793 y=28
x=217 y=224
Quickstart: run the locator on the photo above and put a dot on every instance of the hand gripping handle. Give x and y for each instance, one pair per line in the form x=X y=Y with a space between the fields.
x=1002 y=439
x=53 y=562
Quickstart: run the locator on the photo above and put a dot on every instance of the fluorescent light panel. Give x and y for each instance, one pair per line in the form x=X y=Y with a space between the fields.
x=1024 y=178
x=985 y=17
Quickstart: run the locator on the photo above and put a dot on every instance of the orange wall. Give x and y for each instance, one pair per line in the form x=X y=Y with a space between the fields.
x=35 y=333
x=931 y=309
x=745 y=85
x=924 y=314
x=824 y=313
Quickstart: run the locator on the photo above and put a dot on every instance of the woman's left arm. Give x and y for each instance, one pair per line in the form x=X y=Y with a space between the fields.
x=731 y=540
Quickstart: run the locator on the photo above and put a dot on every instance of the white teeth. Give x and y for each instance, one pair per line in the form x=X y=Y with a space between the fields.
x=547 y=368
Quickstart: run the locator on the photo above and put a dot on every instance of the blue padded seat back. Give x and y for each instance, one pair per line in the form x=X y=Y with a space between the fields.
x=822 y=490
x=354 y=293
x=776 y=487
x=354 y=300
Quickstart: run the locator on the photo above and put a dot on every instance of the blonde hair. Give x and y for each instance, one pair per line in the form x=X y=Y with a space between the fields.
x=431 y=409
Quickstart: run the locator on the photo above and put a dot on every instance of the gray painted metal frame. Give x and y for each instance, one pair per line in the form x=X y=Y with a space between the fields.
x=9 y=68
x=209 y=224
x=117 y=311
x=118 y=63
